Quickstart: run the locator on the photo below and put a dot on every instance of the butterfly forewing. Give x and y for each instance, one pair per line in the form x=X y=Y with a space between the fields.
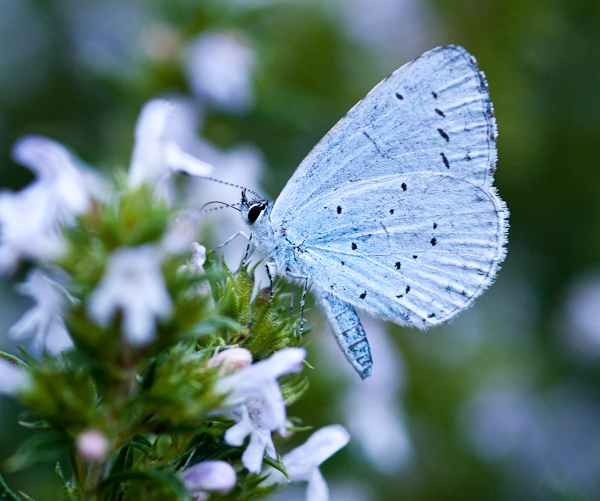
x=394 y=209
x=437 y=104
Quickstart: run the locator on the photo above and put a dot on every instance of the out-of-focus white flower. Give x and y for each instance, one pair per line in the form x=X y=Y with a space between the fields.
x=302 y=463
x=219 y=68
x=29 y=218
x=256 y=403
x=105 y=34
x=231 y=360
x=582 y=315
x=56 y=168
x=198 y=256
x=92 y=445
x=28 y=226
x=373 y=410
x=155 y=155
x=180 y=237
x=209 y=476
x=132 y=282
x=13 y=379
x=43 y=322
x=393 y=27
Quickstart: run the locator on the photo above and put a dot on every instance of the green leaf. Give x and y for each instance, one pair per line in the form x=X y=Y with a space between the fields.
x=42 y=424
x=170 y=481
x=6 y=493
x=13 y=360
x=278 y=465
x=141 y=442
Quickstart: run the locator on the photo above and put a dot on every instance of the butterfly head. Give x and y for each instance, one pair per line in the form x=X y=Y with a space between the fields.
x=253 y=210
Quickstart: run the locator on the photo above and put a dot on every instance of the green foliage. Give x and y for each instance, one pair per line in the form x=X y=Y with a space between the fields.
x=154 y=404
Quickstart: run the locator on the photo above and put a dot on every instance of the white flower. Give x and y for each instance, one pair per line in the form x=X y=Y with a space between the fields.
x=198 y=257
x=29 y=218
x=44 y=321
x=373 y=413
x=217 y=476
x=13 y=379
x=55 y=168
x=219 y=68
x=302 y=463
x=28 y=226
x=231 y=360
x=132 y=282
x=256 y=403
x=155 y=156
x=181 y=236
x=92 y=445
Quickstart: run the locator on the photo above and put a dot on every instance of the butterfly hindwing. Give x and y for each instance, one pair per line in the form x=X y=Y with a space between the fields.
x=415 y=256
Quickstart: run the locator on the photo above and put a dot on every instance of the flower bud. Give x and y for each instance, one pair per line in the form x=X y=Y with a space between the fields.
x=92 y=445
x=232 y=360
x=216 y=476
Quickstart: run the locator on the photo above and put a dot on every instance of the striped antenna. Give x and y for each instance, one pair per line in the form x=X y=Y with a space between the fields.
x=233 y=206
x=230 y=184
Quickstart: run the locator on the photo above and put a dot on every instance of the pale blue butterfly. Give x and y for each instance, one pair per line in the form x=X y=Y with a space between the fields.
x=393 y=211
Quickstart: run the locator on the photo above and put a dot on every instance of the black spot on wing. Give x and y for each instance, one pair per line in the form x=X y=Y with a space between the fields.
x=445 y=160
x=399 y=96
x=440 y=113
x=444 y=135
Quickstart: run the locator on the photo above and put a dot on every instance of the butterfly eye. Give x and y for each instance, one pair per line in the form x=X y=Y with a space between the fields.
x=254 y=212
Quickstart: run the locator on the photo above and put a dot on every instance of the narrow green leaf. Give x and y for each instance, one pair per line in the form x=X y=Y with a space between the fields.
x=6 y=493
x=13 y=360
x=42 y=424
x=278 y=465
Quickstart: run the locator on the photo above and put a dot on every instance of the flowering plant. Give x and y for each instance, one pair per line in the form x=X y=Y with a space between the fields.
x=154 y=372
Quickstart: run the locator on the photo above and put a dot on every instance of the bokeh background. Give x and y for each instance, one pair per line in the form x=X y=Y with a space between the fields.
x=501 y=404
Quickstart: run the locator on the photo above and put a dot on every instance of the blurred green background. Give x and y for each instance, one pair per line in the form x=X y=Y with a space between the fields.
x=501 y=404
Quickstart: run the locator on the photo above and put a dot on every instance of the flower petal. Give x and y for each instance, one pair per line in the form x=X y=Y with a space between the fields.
x=317 y=489
x=303 y=460
x=210 y=476
x=13 y=379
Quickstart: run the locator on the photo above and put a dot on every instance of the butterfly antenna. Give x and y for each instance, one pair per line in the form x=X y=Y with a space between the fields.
x=225 y=206
x=231 y=184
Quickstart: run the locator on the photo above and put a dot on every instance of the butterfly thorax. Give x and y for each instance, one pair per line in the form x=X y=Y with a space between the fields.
x=269 y=237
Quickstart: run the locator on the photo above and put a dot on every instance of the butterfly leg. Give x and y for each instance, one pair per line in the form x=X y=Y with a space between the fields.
x=302 y=299
x=235 y=235
x=249 y=250
x=292 y=301
x=249 y=247
x=348 y=332
x=270 y=266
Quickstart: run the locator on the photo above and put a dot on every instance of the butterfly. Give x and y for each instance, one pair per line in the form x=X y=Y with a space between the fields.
x=393 y=212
